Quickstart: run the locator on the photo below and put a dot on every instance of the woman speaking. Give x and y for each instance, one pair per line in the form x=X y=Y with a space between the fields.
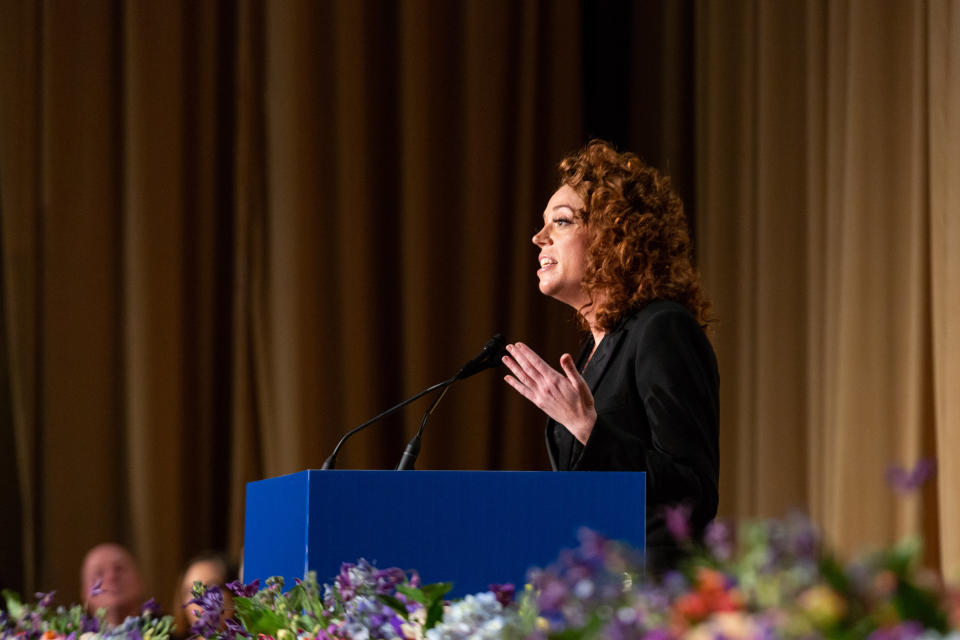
x=643 y=393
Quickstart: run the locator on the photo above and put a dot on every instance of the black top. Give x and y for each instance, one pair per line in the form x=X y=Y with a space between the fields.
x=655 y=384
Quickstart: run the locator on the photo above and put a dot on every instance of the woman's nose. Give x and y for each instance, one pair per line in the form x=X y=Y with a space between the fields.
x=540 y=238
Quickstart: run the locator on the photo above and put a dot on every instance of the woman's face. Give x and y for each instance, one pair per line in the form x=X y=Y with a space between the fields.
x=210 y=573
x=563 y=243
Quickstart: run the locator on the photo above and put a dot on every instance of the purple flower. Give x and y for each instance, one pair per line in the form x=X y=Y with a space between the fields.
x=210 y=612
x=719 y=540
x=343 y=582
x=906 y=481
x=209 y=600
x=552 y=596
x=904 y=631
x=804 y=537
x=678 y=521
x=44 y=599
x=674 y=583
x=242 y=590
x=150 y=607
x=89 y=624
x=387 y=579
x=504 y=593
x=206 y=625
x=592 y=544
x=232 y=629
x=97 y=588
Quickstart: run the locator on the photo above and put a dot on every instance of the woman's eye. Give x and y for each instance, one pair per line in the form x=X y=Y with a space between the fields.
x=561 y=222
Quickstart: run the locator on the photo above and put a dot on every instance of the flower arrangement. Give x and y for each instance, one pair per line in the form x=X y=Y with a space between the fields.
x=41 y=620
x=769 y=579
x=761 y=579
x=363 y=603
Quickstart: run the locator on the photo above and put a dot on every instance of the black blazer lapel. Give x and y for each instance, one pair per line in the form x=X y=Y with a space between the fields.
x=592 y=374
x=600 y=362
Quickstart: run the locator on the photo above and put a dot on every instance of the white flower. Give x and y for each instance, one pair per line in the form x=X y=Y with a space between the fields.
x=583 y=589
x=476 y=617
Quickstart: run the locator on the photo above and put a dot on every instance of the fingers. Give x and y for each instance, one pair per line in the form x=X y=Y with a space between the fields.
x=532 y=377
x=563 y=395
x=569 y=368
x=532 y=363
x=523 y=389
x=519 y=375
x=576 y=379
x=540 y=382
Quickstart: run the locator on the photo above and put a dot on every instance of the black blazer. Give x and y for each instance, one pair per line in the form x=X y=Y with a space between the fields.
x=655 y=384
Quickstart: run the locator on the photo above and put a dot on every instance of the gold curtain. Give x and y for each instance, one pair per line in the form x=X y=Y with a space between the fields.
x=827 y=167
x=943 y=156
x=231 y=231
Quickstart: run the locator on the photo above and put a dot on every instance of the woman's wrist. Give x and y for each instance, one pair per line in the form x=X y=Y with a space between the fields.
x=582 y=429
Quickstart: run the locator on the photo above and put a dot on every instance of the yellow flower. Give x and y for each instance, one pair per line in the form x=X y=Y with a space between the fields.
x=822 y=604
x=411 y=631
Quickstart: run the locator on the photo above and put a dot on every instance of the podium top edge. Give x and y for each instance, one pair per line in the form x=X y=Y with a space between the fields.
x=305 y=473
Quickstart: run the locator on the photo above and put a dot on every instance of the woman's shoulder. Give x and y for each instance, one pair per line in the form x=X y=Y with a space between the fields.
x=667 y=331
x=662 y=312
x=663 y=322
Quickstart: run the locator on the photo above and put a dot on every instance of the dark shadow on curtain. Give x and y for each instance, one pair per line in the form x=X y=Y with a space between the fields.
x=11 y=519
x=638 y=84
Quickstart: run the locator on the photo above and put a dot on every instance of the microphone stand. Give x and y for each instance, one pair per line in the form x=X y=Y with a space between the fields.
x=487 y=358
x=413 y=447
x=331 y=461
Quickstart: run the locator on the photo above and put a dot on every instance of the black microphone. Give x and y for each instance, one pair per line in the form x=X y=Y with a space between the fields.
x=489 y=357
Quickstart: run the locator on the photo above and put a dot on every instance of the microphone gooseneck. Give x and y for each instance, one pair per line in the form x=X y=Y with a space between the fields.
x=331 y=461
x=413 y=447
x=488 y=357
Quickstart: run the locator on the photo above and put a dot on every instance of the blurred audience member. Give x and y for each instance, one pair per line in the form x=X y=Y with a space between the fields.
x=211 y=569
x=111 y=581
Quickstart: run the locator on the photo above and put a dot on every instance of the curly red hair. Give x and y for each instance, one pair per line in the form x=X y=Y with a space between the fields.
x=640 y=249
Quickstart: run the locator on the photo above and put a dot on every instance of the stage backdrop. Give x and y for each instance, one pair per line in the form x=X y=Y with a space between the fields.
x=232 y=230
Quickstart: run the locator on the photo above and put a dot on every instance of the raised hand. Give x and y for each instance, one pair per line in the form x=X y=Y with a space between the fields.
x=565 y=396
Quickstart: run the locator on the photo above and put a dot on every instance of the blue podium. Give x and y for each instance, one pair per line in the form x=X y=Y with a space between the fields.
x=472 y=528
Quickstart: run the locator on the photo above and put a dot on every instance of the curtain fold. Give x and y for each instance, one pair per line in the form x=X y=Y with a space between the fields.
x=750 y=168
x=153 y=227
x=20 y=247
x=822 y=163
x=943 y=24
x=82 y=453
